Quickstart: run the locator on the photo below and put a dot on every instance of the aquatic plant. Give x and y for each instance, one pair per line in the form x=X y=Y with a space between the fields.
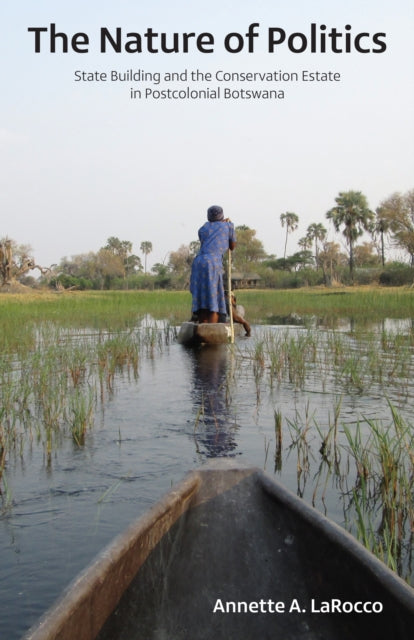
x=382 y=496
x=279 y=440
x=372 y=469
x=315 y=356
x=80 y=413
x=68 y=353
x=51 y=388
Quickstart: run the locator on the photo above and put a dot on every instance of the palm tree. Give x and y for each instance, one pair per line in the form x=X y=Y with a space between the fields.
x=381 y=226
x=291 y=220
x=305 y=243
x=351 y=212
x=316 y=232
x=146 y=248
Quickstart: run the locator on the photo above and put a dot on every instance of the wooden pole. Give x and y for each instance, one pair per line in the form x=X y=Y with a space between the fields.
x=229 y=297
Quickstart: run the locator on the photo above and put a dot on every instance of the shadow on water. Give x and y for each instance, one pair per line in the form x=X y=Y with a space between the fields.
x=214 y=429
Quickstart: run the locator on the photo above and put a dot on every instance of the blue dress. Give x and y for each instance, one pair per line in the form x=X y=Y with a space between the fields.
x=206 y=283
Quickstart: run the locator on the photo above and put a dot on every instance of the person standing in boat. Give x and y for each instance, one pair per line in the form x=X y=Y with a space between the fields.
x=216 y=236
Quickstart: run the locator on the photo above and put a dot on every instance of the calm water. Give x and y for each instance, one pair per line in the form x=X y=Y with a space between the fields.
x=183 y=407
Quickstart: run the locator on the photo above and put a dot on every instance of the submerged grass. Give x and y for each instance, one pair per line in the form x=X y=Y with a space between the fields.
x=380 y=508
x=371 y=464
x=314 y=359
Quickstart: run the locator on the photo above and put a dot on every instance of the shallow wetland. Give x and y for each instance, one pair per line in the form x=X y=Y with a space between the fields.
x=102 y=411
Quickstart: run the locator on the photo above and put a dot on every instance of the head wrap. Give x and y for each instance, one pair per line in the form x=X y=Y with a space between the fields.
x=215 y=213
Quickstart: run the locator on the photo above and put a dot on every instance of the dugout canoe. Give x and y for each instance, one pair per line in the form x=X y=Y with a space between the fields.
x=229 y=553
x=193 y=333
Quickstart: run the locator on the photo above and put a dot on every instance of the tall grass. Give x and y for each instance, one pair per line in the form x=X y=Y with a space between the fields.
x=121 y=309
x=51 y=390
x=362 y=303
x=316 y=359
x=380 y=509
x=369 y=464
x=372 y=468
x=20 y=314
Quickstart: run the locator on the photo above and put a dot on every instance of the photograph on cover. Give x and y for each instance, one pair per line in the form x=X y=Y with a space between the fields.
x=176 y=174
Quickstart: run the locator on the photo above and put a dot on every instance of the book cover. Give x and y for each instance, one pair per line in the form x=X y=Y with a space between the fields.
x=129 y=119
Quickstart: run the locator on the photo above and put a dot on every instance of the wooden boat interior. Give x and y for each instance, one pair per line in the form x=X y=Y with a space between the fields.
x=229 y=533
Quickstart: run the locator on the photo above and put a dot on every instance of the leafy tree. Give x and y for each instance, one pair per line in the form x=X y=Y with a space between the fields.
x=160 y=269
x=353 y=214
x=108 y=266
x=71 y=282
x=83 y=265
x=397 y=212
x=133 y=264
x=301 y=259
x=180 y=261
x=123 y=249
x=249 y=249
x=104 y=267
x=277 y=264
x=298 y=260
x=162 y=274
x=365 y=256
x=291 y=220
x=146 y=248
x=330 y=259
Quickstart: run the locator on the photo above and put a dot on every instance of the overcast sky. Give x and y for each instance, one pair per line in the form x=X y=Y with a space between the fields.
x=82 y=161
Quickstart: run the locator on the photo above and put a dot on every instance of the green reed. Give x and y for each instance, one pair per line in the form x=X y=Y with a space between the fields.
x=279 y=440
x=351 y=362
x=330 y=459
x=20 y=315
x=300 y=431
x=382 y=496
x=51 y=389
x=80 y=416
x=371 y=464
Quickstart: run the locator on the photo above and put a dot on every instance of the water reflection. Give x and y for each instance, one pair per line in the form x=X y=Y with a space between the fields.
x=214 y=427
x=342 y=323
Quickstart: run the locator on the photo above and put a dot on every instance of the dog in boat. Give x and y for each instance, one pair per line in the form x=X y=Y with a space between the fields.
x=237 y=312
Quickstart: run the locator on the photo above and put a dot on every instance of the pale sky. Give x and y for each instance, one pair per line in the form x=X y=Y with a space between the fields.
x=82 y=161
